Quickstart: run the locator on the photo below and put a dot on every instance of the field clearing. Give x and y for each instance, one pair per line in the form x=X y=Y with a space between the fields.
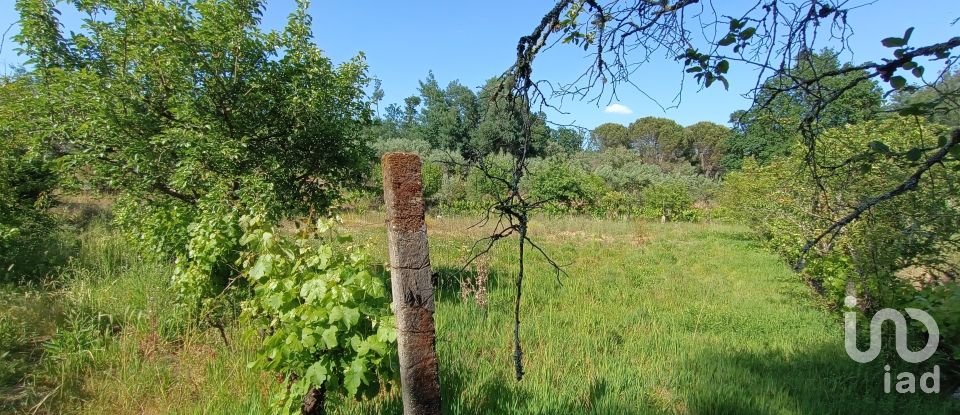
x=652 y=318
x=682 y=318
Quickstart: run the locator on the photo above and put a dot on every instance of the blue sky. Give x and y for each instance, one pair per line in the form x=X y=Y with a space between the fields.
x=473 y=41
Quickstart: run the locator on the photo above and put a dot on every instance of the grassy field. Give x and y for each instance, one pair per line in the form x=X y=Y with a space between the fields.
x=652 y=318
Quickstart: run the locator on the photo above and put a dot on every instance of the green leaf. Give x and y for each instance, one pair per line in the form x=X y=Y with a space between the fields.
x=387 y=332
x=313 y=289
x=747 y=33
x=694 y=69
x=918 y=72
x=317 y=373
x=307 y=337
x=727 y=40
x=329 y=337
x=893 y=42
x=263 y=265
x=914 y=154
x=376 y=344
x=906 y=35
x=879 y=147
x=898 y=82
x=355 y=375
x=274 y=301
x=359 y=345
x=723 y=66
x=350 y=316
x=336 y=314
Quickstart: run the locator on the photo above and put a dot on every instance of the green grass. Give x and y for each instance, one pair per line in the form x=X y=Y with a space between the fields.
x=652 y=318
x=672 y=318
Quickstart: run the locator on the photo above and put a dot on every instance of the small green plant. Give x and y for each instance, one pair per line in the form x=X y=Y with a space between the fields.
x=13 y=337
x=73 y=351
x=329 y=328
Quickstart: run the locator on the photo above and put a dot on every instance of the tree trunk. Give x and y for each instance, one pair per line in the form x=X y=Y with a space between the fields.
x=411 y=282
x=313 y=403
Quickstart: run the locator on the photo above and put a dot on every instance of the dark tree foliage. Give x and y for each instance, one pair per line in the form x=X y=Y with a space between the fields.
x=706 y=144
x=658 y=140
x=172 y=99
x=448 y=115
x=610 y=135
x=940 y=97
x=474 y=125
x=772 y=130
x=26 y=181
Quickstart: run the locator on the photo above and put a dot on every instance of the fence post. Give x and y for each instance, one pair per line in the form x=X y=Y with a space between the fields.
x=411 y=282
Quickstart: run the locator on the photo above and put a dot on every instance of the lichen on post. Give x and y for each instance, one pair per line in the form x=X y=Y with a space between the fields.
x=411 y=282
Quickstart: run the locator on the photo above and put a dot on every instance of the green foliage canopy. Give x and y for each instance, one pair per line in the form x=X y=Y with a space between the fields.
x=26 y=179
x=170 y=103
x=772 y=126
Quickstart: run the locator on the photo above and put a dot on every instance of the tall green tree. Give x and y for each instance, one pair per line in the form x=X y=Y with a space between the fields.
x=212 y=130
x=658 y=140
x=707 y=142
x=565 y=140
x=610 y=135
x=772 y=127
x=193 y=114
x=447 y=115
x=26 y=179
x=501 y=125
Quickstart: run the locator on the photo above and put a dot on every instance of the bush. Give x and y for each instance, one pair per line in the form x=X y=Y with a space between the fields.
x=328 y=316
x=26 y=180
x=410 y=145
x=608 y=183
x=668 y=201
x=943 y=304
x=914 y=233
x=617 y=204
x=567 y=187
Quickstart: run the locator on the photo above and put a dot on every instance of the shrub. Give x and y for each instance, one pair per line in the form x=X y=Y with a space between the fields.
x=26 y=180
x=914 y=232
x=566 y=186
x=483 y=191
x=617 y=204
x=410 y=145
x=668 y=201
x=328 y=316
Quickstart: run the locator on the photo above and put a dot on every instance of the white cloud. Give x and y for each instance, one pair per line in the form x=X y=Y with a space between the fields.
x=618 y=108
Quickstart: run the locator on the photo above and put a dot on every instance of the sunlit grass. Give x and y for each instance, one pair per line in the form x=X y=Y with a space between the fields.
x=651 y=318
